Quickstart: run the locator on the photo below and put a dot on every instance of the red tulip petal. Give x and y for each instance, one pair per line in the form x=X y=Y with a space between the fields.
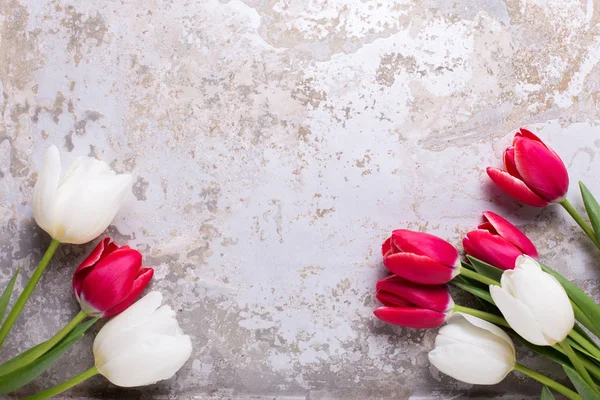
x=511 y=233
x=515 y=187
x=424 y=244
x=102 y=249
x=391 y=300
x=411 y=317
x=386 y=246
x=528 y=134
x=419 y=269
x=139 y=285
x=542 y=170
x=509 y=162
x=111 y=280
x=492 y=249
x=432 y=297
x=486 y=226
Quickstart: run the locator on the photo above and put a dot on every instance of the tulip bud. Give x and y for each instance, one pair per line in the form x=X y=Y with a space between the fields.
x=110 y=279
x=420 y=257
x=498 y=242
x=142 y=345
x=79 y=205
x=534 y=303
x=534 y=173
x=473 y=351
x=412 y=305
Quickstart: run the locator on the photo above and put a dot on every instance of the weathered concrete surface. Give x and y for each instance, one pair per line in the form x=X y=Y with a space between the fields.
x=274 y=145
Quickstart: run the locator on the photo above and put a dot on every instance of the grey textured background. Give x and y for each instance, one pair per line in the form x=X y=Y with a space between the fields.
x=274 y=145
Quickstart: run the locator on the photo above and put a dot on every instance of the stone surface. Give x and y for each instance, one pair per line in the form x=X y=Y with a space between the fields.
x=274 y=145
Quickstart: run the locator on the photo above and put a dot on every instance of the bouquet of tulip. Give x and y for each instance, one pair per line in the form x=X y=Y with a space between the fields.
x=142 y=343
x=521 y=297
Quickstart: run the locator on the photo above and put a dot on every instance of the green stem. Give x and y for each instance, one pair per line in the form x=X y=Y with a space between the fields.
x=41 y=349
x=478 y=277
x=37 y=274
x=65 y=385
x=494 y=319
x=583 y=342
x=578 y=365
x=544 y=380
x=580 y=221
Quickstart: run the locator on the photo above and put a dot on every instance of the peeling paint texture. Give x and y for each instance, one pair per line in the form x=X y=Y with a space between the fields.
x=274 y=144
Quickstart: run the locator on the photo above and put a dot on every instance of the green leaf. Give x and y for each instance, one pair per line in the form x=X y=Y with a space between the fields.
x=19 y=378
x=5 y=298
x=473 y=288
x=585 y=391
x=582 y=350
x=546 y=394
x=585 y=303
x=486 y=269
x=592 y=207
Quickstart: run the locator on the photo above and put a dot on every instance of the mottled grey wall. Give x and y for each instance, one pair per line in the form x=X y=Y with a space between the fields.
x=274 y=145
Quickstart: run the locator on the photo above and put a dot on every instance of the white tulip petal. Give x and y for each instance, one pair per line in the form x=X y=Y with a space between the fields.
x=149 y=361
x=136 y=314
x=527 y=263
x=470 y=364
x=519 y=316
x=45 y=189
x=488 y=326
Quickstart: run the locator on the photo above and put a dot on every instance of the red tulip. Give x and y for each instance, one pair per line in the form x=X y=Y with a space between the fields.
x=498 y=242
x=420 y=257
x=534 y=174
x=110 y=279
x=412 y=305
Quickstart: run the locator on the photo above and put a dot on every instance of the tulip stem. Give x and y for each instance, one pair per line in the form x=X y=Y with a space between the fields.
x=22 y=300
x=579 y=367
x=66 y=385
x=580 y=221
x=478 y=277
x=41 y=349
x=494 y=319
x=544 y=380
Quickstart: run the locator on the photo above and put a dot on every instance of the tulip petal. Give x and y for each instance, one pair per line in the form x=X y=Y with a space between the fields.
x=469 y=324
x=424 y=244
x=528 y=134
x=509 y=163
x=111 y=280
x=470 y=364
x=419 y=269
x=132 y=316
x=411 y=317
x=391 y=300
x=491 y=249
x=515 y=187
x=140 y=283
x=519 y=316
x=511 y=233
x=104 y=247
x=44 y=191
x=542 y=170
x=432 y=297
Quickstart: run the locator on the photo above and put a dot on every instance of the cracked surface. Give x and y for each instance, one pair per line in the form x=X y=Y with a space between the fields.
x=274 y=145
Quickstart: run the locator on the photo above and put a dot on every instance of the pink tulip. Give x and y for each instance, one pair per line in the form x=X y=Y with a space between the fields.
x=498 y=242
x=420 y=257
x=534 y=173
x=412 y=305
x=110 y=279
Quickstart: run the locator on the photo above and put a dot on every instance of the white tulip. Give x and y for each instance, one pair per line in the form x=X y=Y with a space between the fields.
x=142 y=345
x=473 y=351
x=79 y=205
x=534 y=303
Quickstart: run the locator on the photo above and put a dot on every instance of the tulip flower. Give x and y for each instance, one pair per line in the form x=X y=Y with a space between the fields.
x=534 y=173
x=473 y=351
x=534 y=303
x=498 y=242
x=412 y=305
x=110 y=279
x=420 y=257
x=77 y=206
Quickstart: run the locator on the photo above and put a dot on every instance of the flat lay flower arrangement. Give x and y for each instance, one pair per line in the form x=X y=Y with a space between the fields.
x=142 y=342
x=521 y=298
